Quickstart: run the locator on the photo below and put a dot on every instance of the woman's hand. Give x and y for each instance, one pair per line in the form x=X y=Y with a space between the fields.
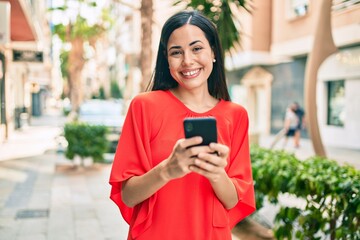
x=212 y=162
x=182 y=157
x=208 y=161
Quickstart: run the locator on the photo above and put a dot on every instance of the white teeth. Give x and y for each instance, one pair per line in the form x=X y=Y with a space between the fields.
x=191 y=72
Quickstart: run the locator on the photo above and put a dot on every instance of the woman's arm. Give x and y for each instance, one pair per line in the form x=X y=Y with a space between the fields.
x=225 y=191
x=212 y=166
x=139 y=188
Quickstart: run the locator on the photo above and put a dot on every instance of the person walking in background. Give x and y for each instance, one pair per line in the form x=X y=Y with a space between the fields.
x=301 y=124
x=166 y=186
x=291 y=124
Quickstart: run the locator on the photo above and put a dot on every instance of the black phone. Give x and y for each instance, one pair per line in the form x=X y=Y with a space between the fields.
x=204 y=127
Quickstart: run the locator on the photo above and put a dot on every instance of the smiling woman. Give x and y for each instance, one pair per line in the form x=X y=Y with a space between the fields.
x=168 y=186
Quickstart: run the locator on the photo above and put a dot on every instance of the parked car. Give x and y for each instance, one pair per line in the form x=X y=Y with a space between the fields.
x=108 y=113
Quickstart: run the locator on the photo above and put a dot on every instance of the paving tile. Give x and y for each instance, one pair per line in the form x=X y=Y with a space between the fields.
x=61 y=223
x=88 y=229
x=34 y=226
x=22 y=191
x=116 y=230
x=39 y=200
x=32 y=237
x=82 y=212
x=8 y=233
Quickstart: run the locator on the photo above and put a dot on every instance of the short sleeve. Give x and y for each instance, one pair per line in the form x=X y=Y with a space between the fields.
x=240 y=171
x=133 y=158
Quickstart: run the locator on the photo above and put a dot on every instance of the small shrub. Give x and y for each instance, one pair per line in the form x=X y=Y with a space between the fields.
x=115 y=91
x=86 y=140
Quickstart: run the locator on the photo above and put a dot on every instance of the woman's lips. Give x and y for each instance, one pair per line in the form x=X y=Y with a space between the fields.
x=191 y=73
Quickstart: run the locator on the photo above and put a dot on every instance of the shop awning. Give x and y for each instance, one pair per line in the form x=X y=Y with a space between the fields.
x=20 y=22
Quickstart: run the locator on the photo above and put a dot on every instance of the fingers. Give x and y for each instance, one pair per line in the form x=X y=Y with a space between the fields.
x=206 y=160
x=186 y=143
x=206 y=163
x=208 y=170
x=222 y=150
x=188 y=147
x=200 y=159
x=182 y=156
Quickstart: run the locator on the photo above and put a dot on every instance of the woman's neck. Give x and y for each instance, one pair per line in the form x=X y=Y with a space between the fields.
x=200 y=101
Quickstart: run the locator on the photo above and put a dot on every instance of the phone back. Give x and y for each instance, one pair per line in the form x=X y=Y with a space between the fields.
x=204 y=127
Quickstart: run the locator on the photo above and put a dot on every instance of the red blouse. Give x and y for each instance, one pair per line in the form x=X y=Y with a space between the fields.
x=185 y=208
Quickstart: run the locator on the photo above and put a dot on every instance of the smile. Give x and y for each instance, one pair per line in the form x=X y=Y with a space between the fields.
x=191 y=73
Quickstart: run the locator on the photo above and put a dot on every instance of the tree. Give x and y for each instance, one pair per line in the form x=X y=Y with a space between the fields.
x=145 y=58
x=224 y=15
x=323 y=47
x=75 y=30
x=146 y=11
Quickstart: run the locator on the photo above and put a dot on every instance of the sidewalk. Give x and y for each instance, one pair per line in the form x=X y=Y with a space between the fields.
x=43 y=197
x=35 y=139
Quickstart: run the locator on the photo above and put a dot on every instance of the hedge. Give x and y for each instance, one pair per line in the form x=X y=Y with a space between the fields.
x=331 y=193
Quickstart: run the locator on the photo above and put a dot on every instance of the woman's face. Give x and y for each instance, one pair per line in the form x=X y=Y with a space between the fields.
x=190 y=57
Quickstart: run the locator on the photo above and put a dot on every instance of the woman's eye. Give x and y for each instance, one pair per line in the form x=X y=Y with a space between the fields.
x=197 y=49
x=175 y=53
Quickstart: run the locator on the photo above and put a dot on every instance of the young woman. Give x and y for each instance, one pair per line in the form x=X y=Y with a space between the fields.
x=165 y=187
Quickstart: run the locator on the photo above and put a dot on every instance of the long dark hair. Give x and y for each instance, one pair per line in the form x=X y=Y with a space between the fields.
x=162 y=79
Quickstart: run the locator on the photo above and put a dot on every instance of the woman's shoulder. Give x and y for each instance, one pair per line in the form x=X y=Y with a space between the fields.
x=152 y=97
x=232 y=108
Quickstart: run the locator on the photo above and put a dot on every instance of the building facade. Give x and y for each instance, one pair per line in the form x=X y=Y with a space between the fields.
x=269 y=74
x=26 y=66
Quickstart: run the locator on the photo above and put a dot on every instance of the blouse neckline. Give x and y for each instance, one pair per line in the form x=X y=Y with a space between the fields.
x=183 y=106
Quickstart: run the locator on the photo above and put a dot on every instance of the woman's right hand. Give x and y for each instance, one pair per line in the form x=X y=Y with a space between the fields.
x=182 y=157
x=138 y=188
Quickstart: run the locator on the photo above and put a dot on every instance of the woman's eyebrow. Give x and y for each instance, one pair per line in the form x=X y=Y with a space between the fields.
x=190 y=44
x=174 y=47
x=194 y=42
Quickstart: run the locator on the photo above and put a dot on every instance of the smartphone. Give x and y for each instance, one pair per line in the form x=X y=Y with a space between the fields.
x=204 y=127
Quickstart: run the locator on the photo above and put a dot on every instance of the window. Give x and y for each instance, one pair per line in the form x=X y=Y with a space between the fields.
x=336 y=103
x=296 y=8
x=343 y=4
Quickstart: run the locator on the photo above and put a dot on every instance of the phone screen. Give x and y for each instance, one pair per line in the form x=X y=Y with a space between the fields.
x=204 y=127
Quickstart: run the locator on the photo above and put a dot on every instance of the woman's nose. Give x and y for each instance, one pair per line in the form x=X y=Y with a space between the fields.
x=188 y=59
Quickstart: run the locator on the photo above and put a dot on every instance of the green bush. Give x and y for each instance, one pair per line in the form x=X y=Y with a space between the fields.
x=115 y=91
x=331 y=193
x=86 y=140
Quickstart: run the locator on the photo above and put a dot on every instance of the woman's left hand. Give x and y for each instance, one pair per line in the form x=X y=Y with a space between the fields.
x=211 y=164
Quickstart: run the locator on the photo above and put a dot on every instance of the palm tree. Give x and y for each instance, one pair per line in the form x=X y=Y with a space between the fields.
x=145 y=58
x=146 y=11
x=76 y=32
x=224 y=15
